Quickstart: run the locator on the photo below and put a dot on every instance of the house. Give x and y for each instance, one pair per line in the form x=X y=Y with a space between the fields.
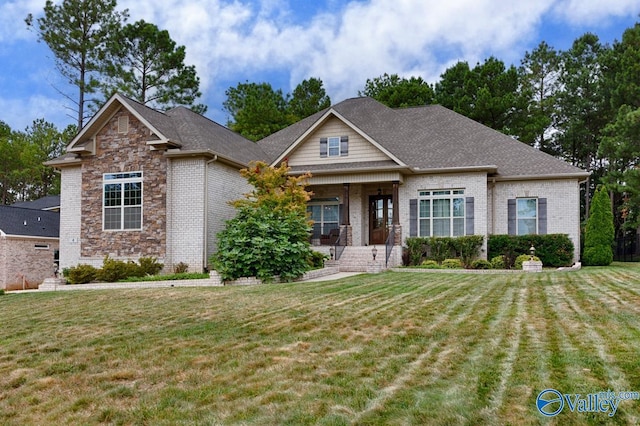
x=380 y=175
x=136 y=182
x=28 y=246
x=48 y=202
x=139 y=182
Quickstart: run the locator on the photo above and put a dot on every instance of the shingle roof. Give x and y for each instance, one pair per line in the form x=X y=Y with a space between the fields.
x=431 y=137
x=44 y=203
x=29 y=222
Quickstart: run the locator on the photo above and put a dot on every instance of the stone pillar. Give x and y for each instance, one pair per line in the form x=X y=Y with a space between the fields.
x=395 y=219
x=345 y=206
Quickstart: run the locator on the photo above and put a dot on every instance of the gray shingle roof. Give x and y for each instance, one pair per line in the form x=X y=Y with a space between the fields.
x=44 y=203
x=29 y=222
x=431 y=137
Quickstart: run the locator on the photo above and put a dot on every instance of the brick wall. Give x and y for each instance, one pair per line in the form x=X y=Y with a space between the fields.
x=127 y=152
x=21 y=259
x=70 y=202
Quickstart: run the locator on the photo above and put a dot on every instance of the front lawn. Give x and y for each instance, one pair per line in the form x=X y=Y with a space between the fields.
x=394 y=348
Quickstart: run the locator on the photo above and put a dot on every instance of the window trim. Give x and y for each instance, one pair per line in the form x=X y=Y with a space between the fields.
x=122 y=178
x=442 y=194
x=536 y=217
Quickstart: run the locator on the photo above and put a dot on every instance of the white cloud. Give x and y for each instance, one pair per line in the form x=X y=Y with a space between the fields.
x=12 y=16
x=594 y=12
x=20 y=113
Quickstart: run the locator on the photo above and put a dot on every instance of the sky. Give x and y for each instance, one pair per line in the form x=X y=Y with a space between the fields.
x=283 y=42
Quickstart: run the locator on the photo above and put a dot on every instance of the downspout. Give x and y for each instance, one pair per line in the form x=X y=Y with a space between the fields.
x=206 y=212
x=493 y=206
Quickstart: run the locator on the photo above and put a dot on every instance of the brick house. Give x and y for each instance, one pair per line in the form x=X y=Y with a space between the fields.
x=138 y=182
x=28 y=246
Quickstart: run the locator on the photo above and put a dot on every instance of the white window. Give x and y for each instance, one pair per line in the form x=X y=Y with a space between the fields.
x=122 y=201
x=325 y=215
x=441 y=213
x=334 y=147
x=527 y=216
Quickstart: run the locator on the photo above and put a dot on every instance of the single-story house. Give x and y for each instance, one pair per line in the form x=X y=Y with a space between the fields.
x=28 y=246
x=139 y=182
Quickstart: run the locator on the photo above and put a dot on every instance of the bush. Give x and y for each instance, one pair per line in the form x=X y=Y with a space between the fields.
x=80 y=274
x=316 y=260
x=468 y=248
x=481 y=264
x=430 y=264
x=497 y=262
x=439 y=248
x=149 y=266
x=452 y=264
x=523 y=258
x=181 y=268
x=116 y=270
x=553 y=249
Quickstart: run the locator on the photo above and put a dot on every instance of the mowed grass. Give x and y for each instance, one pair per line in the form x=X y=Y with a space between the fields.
x=387 y=349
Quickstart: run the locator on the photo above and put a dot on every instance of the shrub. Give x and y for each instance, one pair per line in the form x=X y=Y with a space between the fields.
x=1 y=292
x=180 y=268
x=468 y=247
x=114 y=270
x=149 y=265
x=523 y=258
x=553 y=249
x=497 y=262
x=439 y=248
x=430 y=264
x=452 y=264
x=80 y=274
x=599 y=232
x=416 y=248
x=481 y=264
x=316 y=260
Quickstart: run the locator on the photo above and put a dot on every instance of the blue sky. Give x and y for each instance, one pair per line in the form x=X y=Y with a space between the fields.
x=286 y=41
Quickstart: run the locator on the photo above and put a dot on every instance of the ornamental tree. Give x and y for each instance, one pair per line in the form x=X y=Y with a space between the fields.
x=599 y=232
x=270 y=234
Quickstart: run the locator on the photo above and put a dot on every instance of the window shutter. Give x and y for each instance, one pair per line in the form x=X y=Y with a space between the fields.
x=542 y=216
x=344 y=146
x=469 y=216
x=323 y=147
x=413 y=217
x=511 y=216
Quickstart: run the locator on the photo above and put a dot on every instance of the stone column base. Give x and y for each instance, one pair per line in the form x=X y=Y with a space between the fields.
x=532 y=266
x=374 y=267
x=52 y=283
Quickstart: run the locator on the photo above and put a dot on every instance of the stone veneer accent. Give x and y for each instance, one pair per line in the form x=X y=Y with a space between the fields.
x=116 y=152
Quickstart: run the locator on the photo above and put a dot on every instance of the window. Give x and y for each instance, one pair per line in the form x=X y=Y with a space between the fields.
x=527 y=216
x=441 y=213
x=334 y=146
x=122 y=201
x=325 y=215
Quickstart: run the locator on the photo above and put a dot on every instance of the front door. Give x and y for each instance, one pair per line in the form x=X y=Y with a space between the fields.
x=380 y=216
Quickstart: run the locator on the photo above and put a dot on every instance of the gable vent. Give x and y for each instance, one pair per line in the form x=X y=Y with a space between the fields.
x=123 y=124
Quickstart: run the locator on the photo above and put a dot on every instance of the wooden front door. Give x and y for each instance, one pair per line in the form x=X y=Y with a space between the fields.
x=380 y=216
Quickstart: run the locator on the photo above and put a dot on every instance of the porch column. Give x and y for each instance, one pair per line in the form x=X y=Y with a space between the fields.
x=345 y=207
x=395 y=220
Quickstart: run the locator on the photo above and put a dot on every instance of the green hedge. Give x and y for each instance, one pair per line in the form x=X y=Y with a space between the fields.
x=466 y=248
x=553 y=249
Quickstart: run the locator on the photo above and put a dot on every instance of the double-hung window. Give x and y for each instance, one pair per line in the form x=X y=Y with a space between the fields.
x=527 y=216
x=325 y=216
x=334 y=146
x=441 y=213
x=122 y=201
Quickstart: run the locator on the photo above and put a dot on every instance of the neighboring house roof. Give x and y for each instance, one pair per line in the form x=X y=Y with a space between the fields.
x=428 y=138
x=50 y=202
x=29 y=222
x=179 y=129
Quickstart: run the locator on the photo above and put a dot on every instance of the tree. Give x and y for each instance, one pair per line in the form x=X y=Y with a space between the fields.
x=538 y=76
x=270 y=234
x=145 y=64
x=10 y=154
x=307 y=98
x=599 y=232
x=256 y=110
x=77 y=32
x=396 y=92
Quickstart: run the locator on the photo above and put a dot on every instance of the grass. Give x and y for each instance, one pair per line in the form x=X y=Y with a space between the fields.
x=395 y=348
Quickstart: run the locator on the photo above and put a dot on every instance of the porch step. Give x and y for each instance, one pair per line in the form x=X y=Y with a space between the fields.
x=357 y=259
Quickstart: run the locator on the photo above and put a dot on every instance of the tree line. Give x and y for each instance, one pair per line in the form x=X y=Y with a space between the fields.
x=581 y=105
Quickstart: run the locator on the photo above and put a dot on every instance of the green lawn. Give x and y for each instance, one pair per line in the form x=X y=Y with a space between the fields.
x=394 y=348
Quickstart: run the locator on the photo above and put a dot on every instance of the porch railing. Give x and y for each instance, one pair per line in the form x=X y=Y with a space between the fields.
x=388 y=245
x=341 y=243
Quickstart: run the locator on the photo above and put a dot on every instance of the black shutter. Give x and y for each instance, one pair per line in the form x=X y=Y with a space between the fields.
x=323 y=147
x=413 y=217
x=469 y=216
x=511 y=216
x=542 y=216
x=344 y=146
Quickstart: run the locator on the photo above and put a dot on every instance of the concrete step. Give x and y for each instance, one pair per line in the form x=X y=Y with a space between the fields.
x=358 y=259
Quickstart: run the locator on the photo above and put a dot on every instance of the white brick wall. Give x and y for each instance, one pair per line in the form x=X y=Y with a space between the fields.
x=70 y=217
x=563 y=206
